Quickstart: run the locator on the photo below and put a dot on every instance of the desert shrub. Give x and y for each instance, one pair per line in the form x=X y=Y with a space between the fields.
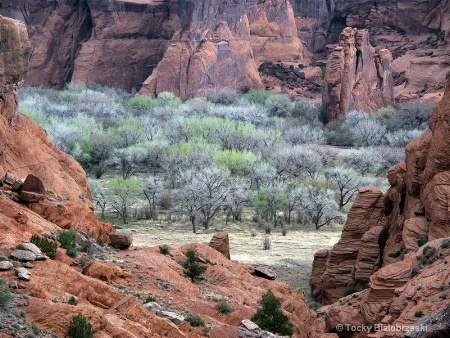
x=47 y=246
x=225 y=97
x=142 y=103
x=422 y=240
x=164 y=250
x=36 y=330
x=364 y=130
x=6 y=297
x=400 y=138
x=409 y=116
x=224 y=307
x=306 y=113
x=258 y=96
x=304 y=135
x=195 y=320
x=191 y=268
x=150 y=299
x=79 y=327
x=350 y=291
x=67 y=240
x=267 y=242
x=168 y=99
x=253 y=232
x=395 y=254
x=270 y=316
x=418 y=314
x=284 y=229
x=445 y=244
x=366 y=161
x=279 y=105
x=72 y=301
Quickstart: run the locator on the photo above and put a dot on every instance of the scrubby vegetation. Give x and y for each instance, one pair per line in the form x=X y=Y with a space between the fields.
x=6 y=296
x=80 y=327
x=270 y=316
x=191 y=268
x=221 y=155
x=47 y=246
x=67 y=240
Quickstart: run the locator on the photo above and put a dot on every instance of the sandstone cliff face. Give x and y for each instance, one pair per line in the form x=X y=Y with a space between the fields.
x=356 y=77
x=196 y=46
x=222 y=45
x=25 y=147
x=410 y=279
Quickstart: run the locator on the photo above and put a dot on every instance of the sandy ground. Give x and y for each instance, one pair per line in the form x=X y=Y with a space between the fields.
x=290 y=256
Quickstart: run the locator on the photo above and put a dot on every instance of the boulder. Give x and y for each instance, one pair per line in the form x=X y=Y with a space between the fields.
x=21 y=217
x=30 y=197
x=23 y=274
x=17 y=185
x=265 y=272
x=249 y=325
x=33 y=184
x=31 y=247
x=153 y=307
x=121 y=240
x=172 y=316
x=5 y=265
x=221 y=243
x=105 y=272
x=9 y=178
x=23 y=255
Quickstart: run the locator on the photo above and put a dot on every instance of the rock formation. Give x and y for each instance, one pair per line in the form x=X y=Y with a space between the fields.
x=357 y=77
x=191 y=48
x=410 y=281
x=357 y=254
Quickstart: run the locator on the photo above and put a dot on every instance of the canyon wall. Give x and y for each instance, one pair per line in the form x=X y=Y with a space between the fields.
x=190 y=47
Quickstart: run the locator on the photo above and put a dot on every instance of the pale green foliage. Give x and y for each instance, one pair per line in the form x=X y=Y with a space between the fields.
x=239 y=163
x=279 y=105
x=122 y=195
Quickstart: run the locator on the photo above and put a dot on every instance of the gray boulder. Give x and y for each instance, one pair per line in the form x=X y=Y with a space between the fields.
x=5 y=265
x=249 y=325
x=172 y=316
x=23 y=274
x=121 y=240
x=23 y=255
x=31 y=247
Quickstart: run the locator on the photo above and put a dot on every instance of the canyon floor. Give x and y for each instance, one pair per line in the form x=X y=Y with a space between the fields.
x=290 y=256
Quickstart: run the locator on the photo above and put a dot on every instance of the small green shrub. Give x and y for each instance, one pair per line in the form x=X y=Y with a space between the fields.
x=395 y=254
x=418 y=314
x=270 y=317
x=67 y=240
x=422 y=240
x=224 y=307
x=6 y=297
x=72 y=301
x=191 y=268
x=350 y=291
x=150 y=299
x=36 y=330
x=195 y=320
x=79 y=327
x=164 y=250
x=47 y=246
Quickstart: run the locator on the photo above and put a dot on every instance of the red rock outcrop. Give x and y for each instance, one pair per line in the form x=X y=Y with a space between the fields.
x=357 y=77
x=221 y=243
x=412 y=281
x=191 y=48
x=357 y=254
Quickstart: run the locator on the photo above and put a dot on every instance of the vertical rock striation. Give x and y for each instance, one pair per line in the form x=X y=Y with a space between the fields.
x=357 y=77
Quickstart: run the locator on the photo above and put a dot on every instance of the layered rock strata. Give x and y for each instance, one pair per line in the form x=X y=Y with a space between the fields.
x=412 y=281
x=357 y=77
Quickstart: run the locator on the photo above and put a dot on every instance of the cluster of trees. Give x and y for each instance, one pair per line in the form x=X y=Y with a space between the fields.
x=217 y=155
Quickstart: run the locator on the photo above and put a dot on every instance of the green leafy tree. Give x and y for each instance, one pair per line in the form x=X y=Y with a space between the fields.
x=270 y=316
x=79 y=327
x=272 y=199
x=123 y=194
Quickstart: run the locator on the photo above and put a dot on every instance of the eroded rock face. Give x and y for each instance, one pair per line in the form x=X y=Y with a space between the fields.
x=357 y=77
x=197 y=47
x=411 y=279
x=357 y=250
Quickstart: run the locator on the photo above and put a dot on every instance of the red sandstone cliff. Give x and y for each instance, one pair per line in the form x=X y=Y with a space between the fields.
x=403 y=281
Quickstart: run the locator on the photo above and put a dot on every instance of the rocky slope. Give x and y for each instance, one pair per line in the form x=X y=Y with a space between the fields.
x=107 y=286
x=379 y=249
